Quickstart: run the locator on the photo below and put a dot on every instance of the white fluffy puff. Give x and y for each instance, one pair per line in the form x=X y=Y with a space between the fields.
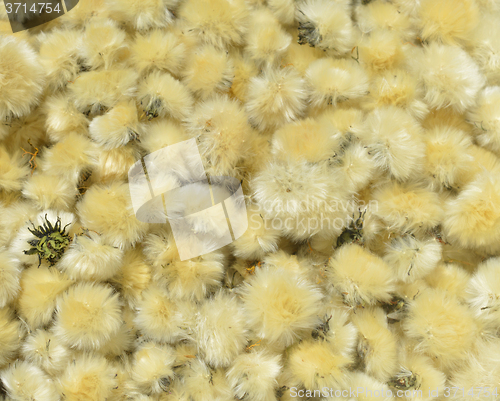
x=472 y=218
x=316 y=365
x=152 y=370
x=305 y=140
x=24 y=381
x=10 y=273
x=347 y=121
x=13 y=218
x=160 y=95
x=208 y=70
x=397 y=87
x=244 y=70
x=394 y=141
x=121 y=344
x=442 y=327
x=280 y=306
x=133 y=277
x=88 y=316
x=300 y=56
x=23 y=77
x=483 y=292
x=143 y=15
x=254 y=374
x=114 y=164
x=283 y=10
x=335 y=81
x=221 y=330
x=326 y=25
x=448 y=21
x=45 y=350
x=40 y=290
x=383 y=15
x=50 y=192
x=161 y=133
x=12 y=170
x=190 y=279
x=380 y=50
x=412 y=259
x=404 y=207
x=107 y=209
x=88 y=257
x=449 y=277
x=59 y=56
x=222 y=132
x=480 y=376
x=267 y=41
x=337 y=329
x=258 y=240
x=89 y=376
x=275 y=97
x=449 y=76
x=102 y=45
x=420 y=370
x=62 y=117
x=302 y=199
x=20 y=130
x=218 y=22
x=11 y=333
x=488 y=6
x=359 y=276
x=357 y=166
x=485 y=160
x=202 y=383
x=485 y=49
x=291 y=263
x=82 y=14
x=449 y=164
x=377 y=346
x=485 y=118
x=158 y=50
x=159 y=317
x=94 y=92
x=117 y=127
x=70 y=157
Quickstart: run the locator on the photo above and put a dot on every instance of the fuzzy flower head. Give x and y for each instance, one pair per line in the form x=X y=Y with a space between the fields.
x=280 y=305
x=21 y=77
x=450 y=77
x=359 y=276
x=276 y=97
x=254 y=374
x=472 y=219
x=326 y=25
x=88 y=315
x=483 y=291
x=443 y=327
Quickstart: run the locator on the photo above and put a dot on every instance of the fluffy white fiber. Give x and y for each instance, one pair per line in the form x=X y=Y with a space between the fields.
x=357 y=248
x=279 y=307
